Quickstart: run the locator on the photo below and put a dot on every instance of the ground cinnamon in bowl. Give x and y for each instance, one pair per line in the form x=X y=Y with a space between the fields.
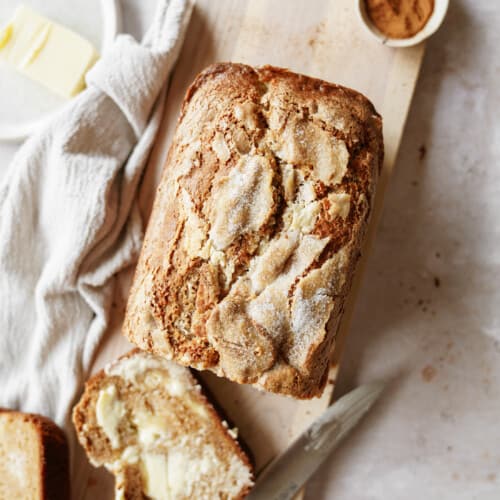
x=399 y=18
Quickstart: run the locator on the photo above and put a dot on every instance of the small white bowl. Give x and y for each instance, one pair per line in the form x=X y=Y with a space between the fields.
x=432 y=25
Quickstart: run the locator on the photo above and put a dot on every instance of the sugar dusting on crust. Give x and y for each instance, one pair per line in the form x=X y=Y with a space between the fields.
x=309 y=312
x=309 y=318
x=312 y=304
x=270 y=313
x=244 y=201
x=265 y=268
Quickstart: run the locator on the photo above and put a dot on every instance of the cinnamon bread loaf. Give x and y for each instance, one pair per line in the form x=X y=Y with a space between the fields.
x=257 y=226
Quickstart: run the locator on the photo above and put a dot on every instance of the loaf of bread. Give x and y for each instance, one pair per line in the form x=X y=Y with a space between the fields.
x=148 y=422
x=256 y=227
x=34 y=463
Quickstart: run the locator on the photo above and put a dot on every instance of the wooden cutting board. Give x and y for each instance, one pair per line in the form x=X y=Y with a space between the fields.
x=319 y=38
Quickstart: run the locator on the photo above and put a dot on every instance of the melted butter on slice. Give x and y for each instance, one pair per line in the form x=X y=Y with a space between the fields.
x=169 y=467
x=171 y=474
x=149 y=427
x=109 y=412
x=154 y=471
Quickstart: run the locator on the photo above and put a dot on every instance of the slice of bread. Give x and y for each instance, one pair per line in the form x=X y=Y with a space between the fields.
x=147 y=421
x=33 y=458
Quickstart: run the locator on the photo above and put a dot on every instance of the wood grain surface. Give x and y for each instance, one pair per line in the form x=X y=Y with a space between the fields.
x=324 y=39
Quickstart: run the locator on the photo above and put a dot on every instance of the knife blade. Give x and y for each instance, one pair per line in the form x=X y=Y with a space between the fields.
x=289 y=472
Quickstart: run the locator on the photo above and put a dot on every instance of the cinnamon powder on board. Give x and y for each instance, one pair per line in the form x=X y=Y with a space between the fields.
x=399 y=18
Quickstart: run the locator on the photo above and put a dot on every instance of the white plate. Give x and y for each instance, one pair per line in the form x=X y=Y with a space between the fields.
x=26 y=105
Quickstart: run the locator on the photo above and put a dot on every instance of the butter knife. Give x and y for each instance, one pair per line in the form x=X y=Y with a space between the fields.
x=289 y=472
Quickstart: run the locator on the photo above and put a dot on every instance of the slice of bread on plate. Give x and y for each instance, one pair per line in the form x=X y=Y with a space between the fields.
x=33 y=458
x=148 y=421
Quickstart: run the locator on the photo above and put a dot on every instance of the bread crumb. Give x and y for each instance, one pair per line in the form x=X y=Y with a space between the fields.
x=428 y=373
x=315 y=39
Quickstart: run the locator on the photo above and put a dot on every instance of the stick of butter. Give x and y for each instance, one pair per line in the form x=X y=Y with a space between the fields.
x=46 y=52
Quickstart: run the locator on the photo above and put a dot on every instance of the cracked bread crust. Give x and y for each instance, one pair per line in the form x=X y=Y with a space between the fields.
x=257 y=226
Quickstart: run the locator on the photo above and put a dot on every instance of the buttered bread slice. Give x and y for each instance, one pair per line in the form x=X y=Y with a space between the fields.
x=148 y=422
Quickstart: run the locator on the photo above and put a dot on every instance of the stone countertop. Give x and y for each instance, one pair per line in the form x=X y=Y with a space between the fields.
x=428 y=315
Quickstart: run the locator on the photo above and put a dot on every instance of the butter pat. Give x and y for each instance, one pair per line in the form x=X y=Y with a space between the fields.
x=150 y=427
x=171 y=475
x=46 y=52
x=155 y=476
x=109 y=411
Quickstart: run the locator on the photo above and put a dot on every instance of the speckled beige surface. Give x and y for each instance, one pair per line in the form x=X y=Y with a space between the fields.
x=428 y=314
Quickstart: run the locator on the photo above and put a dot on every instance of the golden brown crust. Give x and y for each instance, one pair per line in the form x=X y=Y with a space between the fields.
x=52 y=457
x=99 y=447
x=257 y=226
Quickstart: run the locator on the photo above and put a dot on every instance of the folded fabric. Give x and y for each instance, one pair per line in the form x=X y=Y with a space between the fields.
x=69 y=219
